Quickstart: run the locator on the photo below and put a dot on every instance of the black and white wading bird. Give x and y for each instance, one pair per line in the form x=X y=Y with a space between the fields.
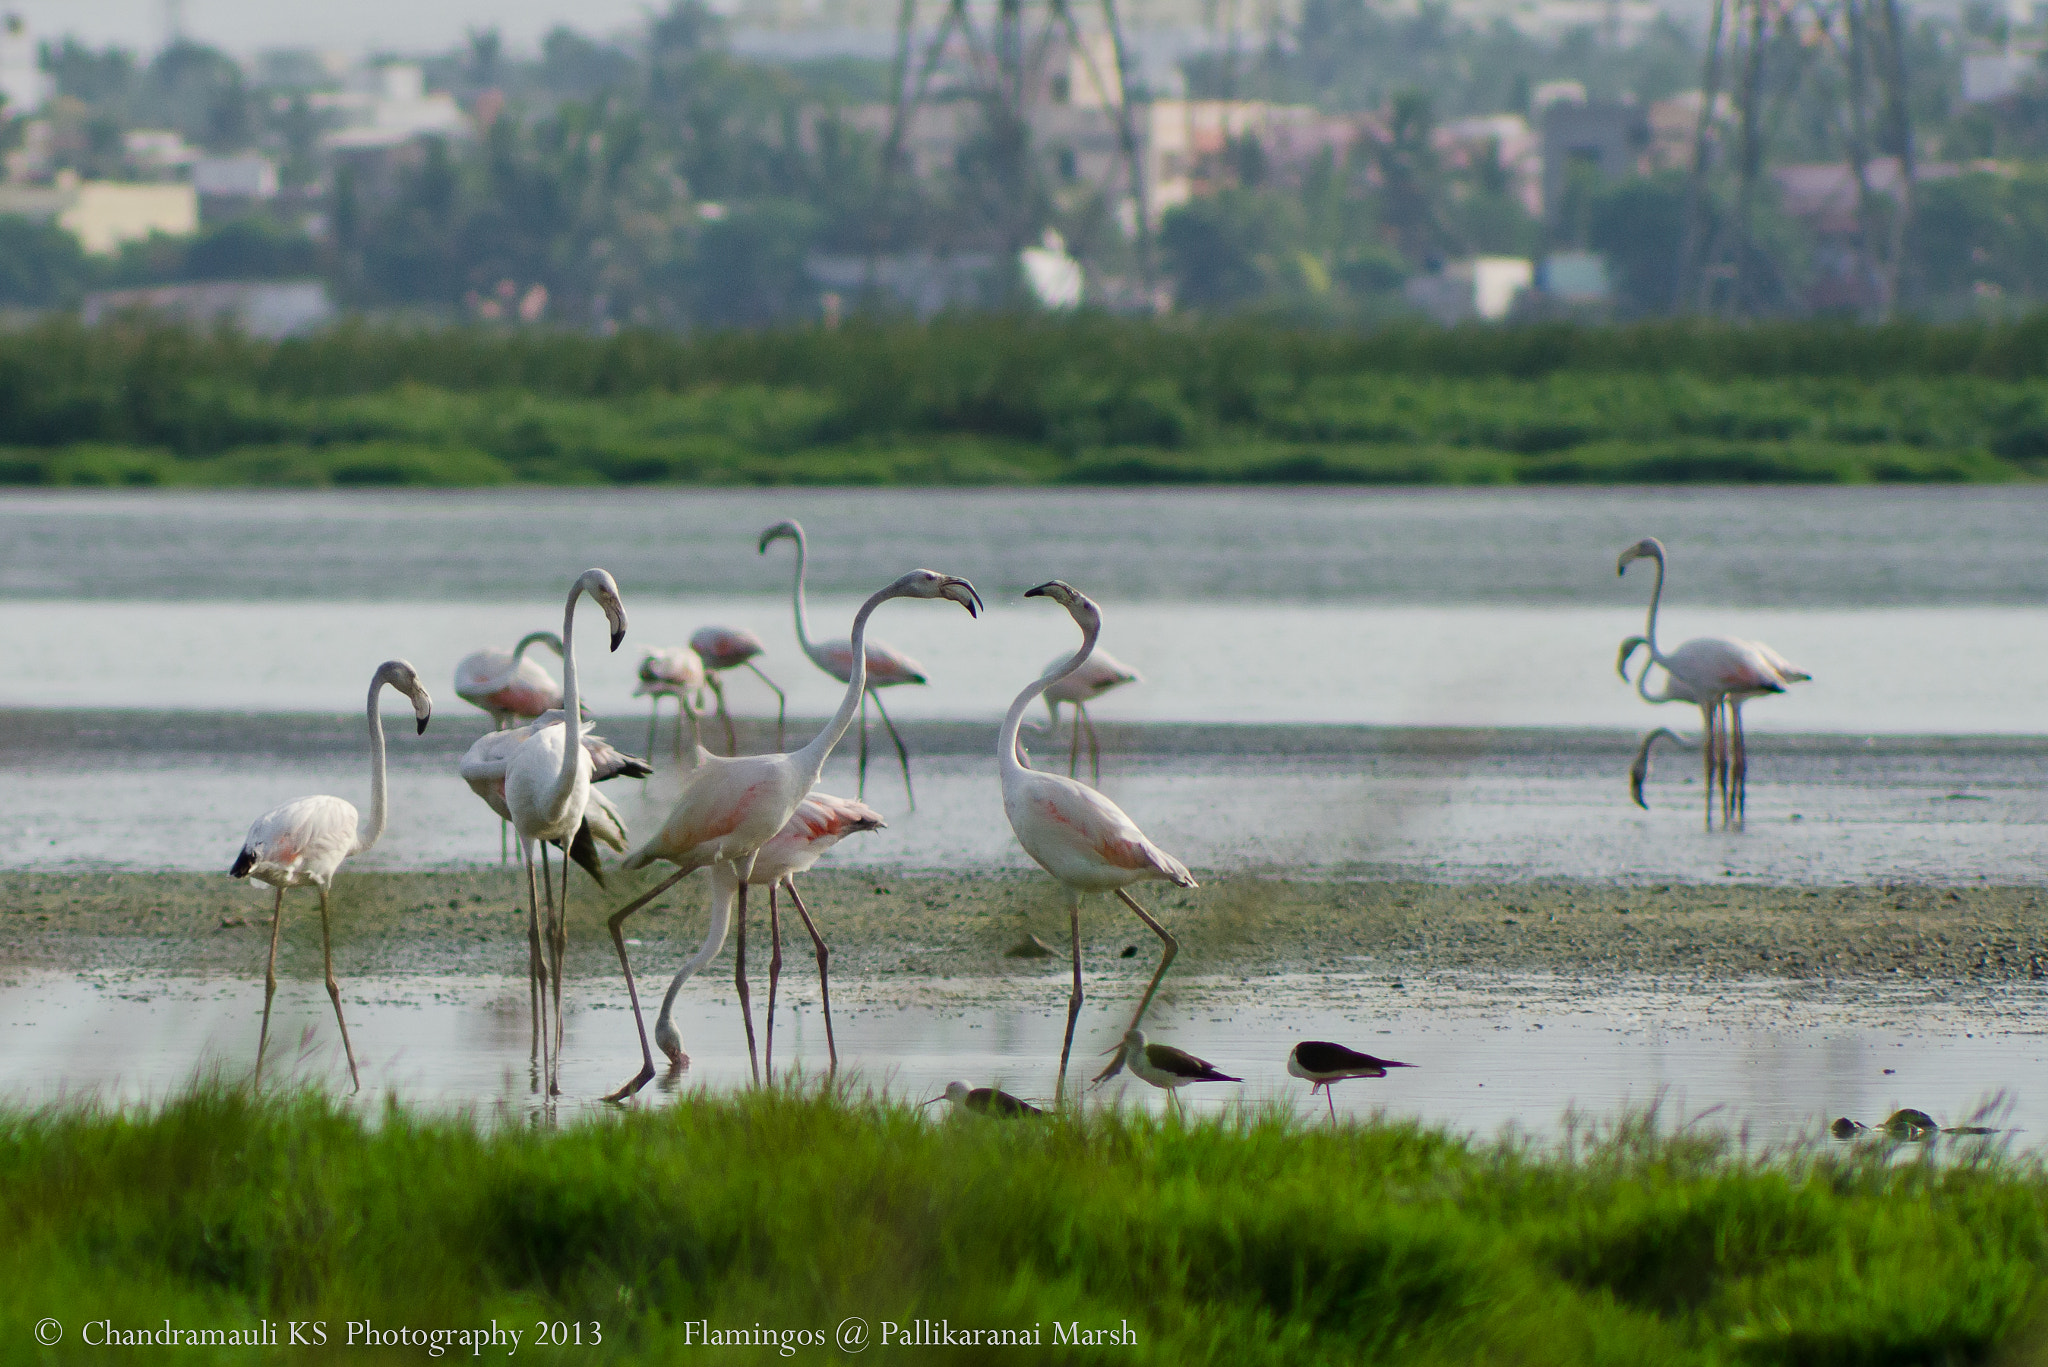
x=1162 y=1065
x=986 y=1101
x=1324 y=1064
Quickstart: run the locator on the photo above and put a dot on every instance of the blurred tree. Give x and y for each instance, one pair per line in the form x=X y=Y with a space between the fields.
x=41 y=265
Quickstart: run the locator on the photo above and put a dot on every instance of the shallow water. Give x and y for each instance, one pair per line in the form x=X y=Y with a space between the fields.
x=1777 y=1059
x=148 y=791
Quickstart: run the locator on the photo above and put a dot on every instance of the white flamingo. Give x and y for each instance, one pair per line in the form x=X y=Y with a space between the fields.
x=483 y=769
x=723 y=648
x=1076 y=834
x=886 y=667
x=304 y=841
x=1712 y=673
x=671 y=672
x=1094 y=678
x=509 y=686
x=730 y=808
x=547 y=791
x=821 y=821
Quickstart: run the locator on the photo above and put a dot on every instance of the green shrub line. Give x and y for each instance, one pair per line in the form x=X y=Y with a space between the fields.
x=1019 y=400
x=1251 y=1238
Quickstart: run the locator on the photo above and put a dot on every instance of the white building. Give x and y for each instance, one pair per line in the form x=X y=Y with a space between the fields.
x=1480 y=287
x=22 y=81
x=104 y=214
x=393 y=107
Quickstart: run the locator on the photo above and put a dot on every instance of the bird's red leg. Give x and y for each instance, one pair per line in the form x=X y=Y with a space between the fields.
x=739 y=977
x=902 y=752
x=774 y=974
x=1172 y=947
x=1330 y=1095
x=1059 y=1090
x=269 y=982
x=334 y=990
x=614 y=922
x=824 y=987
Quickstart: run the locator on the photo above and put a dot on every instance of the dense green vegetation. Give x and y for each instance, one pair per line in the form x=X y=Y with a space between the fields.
x=1021 y=400
x=1253 y=1239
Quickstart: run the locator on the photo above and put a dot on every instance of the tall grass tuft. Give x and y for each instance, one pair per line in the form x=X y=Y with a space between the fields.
x=1248 y=1239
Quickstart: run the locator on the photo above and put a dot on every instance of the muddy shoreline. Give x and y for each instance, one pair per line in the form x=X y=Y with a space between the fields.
x=951 y=926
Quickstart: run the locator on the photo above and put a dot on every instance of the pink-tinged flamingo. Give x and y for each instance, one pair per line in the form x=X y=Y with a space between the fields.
x=304 y=841
x=1076 y=834
x=730 y=808
x=886 y=667
x=671 y=672
x=483 y=769
x=1094 y=678
x=510 y=687
x=1710 y=672
x=547 y=790
x=723 y=648
x=821 y=821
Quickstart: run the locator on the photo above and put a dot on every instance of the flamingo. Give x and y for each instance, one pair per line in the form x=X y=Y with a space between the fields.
x=304 y=841
x=1096 y=677
x=886 y=667
x=547 y=791
x=821 y=821
x=510 y=686
x=1076 y=834
x=730 y=808
x=723 y=648
x=670 y=672
x=1711 y=672
x=483 y=769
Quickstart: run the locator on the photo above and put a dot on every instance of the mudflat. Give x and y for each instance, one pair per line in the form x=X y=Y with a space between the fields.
x=948 y=925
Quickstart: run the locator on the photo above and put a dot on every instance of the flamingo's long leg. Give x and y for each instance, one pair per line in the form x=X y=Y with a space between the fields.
x=1094 y=746
x=1073 y=1000
x=613 y=923
x=269 y=981
x=781 y=703
x=739 y=977
x=1741 y=767
x=824 y=987
x=774 y=974
x=334 y=989
x=1074 y=751
x=1709 y=714
x=732 y=742
x=536 y=958
x=902 y=751
x=558 y=950
x=653 y=723
x=1172 y=947
x=1727 y=749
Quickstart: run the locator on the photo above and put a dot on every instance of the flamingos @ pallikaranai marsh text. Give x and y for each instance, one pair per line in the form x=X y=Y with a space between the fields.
x=821 y=821
x=1076 y=834
x=730 y=808
x=885 y=667
x=1713 y=673
x=723 y=648
x=547 y=790
x=306 y=840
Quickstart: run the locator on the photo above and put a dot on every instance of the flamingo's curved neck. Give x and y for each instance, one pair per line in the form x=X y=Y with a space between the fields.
x=811 y=759
x=380 y=801
x=572 y=711
x=1013 y=720
x=724 y=887
x=796 y=598
x=536 y=638
x=1650 y=625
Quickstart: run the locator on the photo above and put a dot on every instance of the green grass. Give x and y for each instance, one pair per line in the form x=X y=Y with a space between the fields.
x=1023 y=401
x=1254 y=1239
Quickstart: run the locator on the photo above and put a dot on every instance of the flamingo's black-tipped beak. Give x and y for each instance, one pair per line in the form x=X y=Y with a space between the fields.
x=420 y=725
x=618 y=636
x=962 y=592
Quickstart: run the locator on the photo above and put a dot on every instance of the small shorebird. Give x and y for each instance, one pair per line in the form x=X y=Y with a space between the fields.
x=723 y=648
x=986 y=1101
x=1324 y=1064
x=1162 y=1065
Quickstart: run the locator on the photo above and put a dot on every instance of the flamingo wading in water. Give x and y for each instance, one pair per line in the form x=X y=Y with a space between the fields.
x=1076 y=834
x=1096 y=677
x=884 y=666
x=821 y=821
x=671 y=672
x=723 y=648
x=304 y=841
x=1715 y=673
x=547 y=790
x=729 y=808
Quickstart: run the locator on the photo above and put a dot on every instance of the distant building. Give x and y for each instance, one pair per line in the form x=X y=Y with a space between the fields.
x=1481 y=287
x=104 y=214
x=1576 y=278
x=393 y=107
x=158 y=151
x=1606 y=138
x=261 y=308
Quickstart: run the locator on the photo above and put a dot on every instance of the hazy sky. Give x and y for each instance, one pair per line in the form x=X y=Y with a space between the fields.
x=244 y=26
